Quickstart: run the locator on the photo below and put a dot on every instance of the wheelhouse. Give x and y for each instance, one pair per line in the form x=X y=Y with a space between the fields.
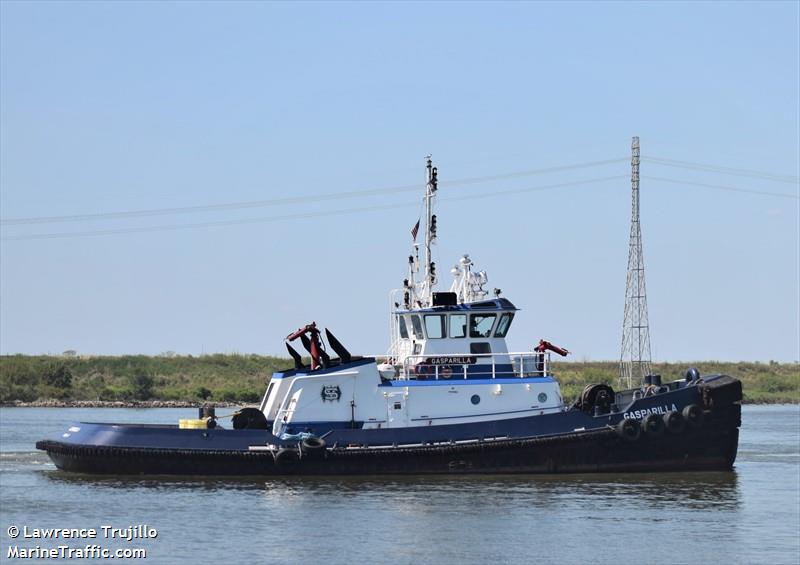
x=458 y=330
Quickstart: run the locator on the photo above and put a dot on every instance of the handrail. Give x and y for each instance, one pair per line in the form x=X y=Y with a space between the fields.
x=440 y=366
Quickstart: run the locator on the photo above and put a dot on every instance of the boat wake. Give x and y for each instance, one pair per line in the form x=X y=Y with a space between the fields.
x=12 y=461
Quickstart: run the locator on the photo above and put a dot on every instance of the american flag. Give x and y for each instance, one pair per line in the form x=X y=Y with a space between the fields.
x=414 y=231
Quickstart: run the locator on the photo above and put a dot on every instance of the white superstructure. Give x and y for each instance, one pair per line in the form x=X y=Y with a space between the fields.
x=448 y=362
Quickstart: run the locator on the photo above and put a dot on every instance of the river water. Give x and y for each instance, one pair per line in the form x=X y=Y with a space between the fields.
x=750 y=515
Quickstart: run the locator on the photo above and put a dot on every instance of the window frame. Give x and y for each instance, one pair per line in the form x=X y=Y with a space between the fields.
x=450 y=319
x=416 y=325
x=473 y=327
x=504 y=316
x=442 y=326
x=402 y=327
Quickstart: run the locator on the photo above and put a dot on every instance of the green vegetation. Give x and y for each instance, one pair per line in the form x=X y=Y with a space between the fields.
x=233 y=378
x=243 y=378
x=771 y=383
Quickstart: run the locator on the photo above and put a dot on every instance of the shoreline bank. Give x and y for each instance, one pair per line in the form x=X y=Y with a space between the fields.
x=54 y=403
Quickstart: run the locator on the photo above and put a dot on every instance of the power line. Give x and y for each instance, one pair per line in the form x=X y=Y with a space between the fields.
x=532 y=189
x=174 y=227
x=292 y=199
x=350 y=194
x=763 y=175
x=724 y=187
x=556 y=169
x=395 y=189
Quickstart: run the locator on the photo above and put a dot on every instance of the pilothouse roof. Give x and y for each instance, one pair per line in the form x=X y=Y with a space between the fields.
x=493 y=305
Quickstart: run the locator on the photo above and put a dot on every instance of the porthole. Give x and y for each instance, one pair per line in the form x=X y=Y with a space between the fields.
x=542 y=397
x=475 y=399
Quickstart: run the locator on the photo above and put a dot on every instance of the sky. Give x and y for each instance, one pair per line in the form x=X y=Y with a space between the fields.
x=304 y=110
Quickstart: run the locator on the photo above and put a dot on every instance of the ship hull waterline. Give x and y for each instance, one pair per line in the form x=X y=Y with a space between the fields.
x=712 y=447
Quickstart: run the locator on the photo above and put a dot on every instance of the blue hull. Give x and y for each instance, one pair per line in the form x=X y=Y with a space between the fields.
x=570 y=441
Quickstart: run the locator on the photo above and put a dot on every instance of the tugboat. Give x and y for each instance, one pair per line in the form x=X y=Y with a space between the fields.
x=448 y=398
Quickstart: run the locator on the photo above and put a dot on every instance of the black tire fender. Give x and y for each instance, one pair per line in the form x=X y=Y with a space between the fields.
x=674 y=422
x=693 y=415
x=287 y=459
x=653 y=425
x=313 y=446
x=629 y=429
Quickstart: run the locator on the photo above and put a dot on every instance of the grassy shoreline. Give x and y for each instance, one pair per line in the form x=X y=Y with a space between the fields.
x=56 y=403
x=186 y=381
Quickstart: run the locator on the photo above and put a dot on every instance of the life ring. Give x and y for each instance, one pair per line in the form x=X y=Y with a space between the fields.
x=446 y=371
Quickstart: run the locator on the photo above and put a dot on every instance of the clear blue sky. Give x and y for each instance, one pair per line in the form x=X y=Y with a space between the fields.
x=121 y=106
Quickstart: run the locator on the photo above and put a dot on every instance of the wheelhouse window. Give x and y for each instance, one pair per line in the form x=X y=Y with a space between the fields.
x=480 y=325
x=435 y=326
x=417 y=326
x=480 y=348
x=403 y=330
x=503 y=324
x=458 y=325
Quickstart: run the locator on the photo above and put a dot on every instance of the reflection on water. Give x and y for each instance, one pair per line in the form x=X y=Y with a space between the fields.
x=749 y=515
x=681 y=488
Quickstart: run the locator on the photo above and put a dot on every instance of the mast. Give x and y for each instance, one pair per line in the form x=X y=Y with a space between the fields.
x=429 y=279
x=418 y=291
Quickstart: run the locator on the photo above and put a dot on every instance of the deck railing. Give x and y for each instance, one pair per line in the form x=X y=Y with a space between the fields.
x=474 y=365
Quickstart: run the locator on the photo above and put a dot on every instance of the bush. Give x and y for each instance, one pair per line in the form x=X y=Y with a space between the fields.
x=141 y=386
x=238 y=395
x=58 y=377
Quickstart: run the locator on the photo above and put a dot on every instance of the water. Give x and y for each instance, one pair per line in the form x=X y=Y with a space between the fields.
x=751 y=515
